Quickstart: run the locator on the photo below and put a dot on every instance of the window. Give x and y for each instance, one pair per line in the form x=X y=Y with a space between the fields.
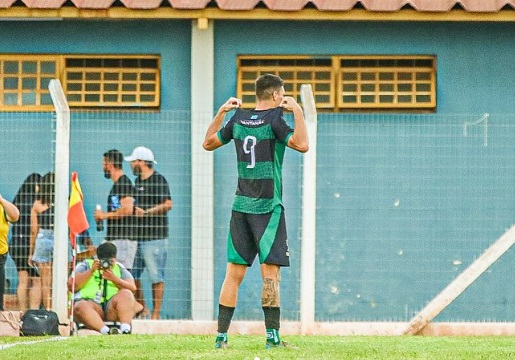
x=348 y=82
x=112 y=81
x=382 y=82
x=88 y=81
x=295 y=71
x=25 y=82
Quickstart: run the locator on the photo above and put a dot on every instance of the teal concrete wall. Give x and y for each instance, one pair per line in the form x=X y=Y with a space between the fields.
x=375 y=260
x=170 y=39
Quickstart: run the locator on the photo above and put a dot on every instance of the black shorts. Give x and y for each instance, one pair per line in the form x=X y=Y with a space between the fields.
x=19 y=251
x=258 y=234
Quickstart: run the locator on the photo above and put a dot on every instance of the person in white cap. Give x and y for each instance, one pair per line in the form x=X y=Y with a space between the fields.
x=153 y=202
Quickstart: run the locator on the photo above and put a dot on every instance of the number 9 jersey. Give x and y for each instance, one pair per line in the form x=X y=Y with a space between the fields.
x=260 y=138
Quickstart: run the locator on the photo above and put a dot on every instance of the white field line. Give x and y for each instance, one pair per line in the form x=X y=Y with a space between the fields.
x=56 y=338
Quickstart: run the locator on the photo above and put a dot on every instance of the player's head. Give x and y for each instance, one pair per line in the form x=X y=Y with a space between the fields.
x=46 y=190
x=106 y=250
x=113 y=159
x=269 y=87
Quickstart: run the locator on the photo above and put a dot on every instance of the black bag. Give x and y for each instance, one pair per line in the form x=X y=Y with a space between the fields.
x=39 y=323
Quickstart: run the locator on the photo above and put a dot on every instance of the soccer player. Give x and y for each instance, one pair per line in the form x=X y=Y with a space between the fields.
x=257 y=225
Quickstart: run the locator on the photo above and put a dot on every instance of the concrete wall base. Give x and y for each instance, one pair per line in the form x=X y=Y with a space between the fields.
x=189 y=327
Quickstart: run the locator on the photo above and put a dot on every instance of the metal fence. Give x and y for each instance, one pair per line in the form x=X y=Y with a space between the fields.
x=404 y=204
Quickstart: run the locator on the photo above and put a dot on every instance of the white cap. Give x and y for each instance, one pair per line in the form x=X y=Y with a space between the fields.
x=141 y=153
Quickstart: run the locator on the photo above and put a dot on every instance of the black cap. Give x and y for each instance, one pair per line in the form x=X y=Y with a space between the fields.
x=106 y=250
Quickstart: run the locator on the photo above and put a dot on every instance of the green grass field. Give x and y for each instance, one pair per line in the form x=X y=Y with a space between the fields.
x=249 y=347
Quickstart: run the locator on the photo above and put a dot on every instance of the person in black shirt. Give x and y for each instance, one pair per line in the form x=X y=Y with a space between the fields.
x=120 y=207
x=153 y=201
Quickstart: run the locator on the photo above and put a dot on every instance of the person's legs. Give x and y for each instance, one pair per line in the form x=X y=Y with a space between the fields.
x=137 y=270
x=90 y=314
x=22 y=290
x=158 y=290
x=273 y=253
x=271 y=302
x=154 y=253
x=122 y=307
x=228 y=299
x=35 y=292
x=45 y=269
x=241 y=252
x=42 y=256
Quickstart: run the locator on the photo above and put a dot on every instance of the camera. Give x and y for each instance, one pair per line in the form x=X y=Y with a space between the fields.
x=105 y=264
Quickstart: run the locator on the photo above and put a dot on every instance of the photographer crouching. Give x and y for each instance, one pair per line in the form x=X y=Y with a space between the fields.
x=104 y=291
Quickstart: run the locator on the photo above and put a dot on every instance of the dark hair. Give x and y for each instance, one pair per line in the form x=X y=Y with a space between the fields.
x=106 y=250
x=26 y=194
x=115 y=157
x=266 y=85
x=47 y=189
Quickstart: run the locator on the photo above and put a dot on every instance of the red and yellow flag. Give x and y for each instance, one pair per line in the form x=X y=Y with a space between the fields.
x=77 y=220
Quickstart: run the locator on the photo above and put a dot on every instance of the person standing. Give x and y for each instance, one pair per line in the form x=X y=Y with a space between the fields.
x=8 y=214
x=41 y=251
x=257 y=225
x=153 y=202
x=28 y=291
x=120 y=207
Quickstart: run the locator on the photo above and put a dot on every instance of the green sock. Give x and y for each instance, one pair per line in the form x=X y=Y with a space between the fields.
x=272 y=336
x=221 y=337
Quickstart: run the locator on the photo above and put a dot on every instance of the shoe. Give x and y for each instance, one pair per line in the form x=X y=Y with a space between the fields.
x=221 y=341
x=221 y=345
x=280 y=344
x=126 y=332
x=114 y=331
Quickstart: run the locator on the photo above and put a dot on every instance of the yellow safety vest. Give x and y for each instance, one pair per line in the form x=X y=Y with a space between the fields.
x=94 y=287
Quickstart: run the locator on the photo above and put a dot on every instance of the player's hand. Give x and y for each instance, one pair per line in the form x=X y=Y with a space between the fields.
x=231 y=104
x=289 y=103
x=95 y=265
x=99 y=215
x=139 y=211
x=108 y=274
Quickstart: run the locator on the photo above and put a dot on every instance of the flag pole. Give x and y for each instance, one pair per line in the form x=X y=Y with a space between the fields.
x=78 y=224
x=73 y=241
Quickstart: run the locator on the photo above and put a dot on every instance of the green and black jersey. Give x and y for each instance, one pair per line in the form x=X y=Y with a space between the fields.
x=260 y=138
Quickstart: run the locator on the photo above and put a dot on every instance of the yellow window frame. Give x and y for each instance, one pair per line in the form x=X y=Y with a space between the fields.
x=112 y=86
x=409 y=85
x=24 y=81
x=377 y=82
x=294 y=70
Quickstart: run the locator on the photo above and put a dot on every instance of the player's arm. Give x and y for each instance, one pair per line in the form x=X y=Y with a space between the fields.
x=161 y=208
x=11 y=211
x=211 y=141
x=299 y=140
x=126 y=209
